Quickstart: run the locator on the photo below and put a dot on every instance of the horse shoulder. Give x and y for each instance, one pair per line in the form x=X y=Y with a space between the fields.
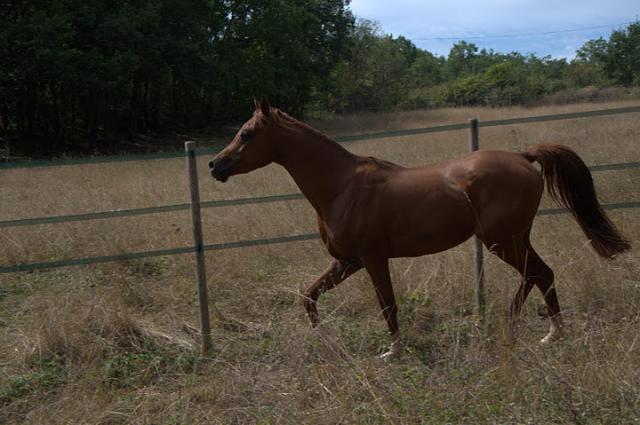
x=343 y=225
x=336 y=226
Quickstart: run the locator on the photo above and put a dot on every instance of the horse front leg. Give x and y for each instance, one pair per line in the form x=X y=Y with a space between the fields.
x=338 y=271
x=379 y=272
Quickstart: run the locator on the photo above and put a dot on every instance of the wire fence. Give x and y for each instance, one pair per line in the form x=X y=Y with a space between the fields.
x=264 y=199
x=341 y=139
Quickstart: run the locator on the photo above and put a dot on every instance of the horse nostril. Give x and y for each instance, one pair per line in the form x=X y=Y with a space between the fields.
x=211 y=165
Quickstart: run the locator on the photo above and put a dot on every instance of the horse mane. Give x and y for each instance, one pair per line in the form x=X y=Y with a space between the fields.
x=286 y=121
x=384 y=164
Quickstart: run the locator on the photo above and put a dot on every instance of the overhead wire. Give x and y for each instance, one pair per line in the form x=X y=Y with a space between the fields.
x=530 y=34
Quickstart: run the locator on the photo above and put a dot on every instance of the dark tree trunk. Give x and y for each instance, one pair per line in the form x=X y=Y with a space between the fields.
x=145 y=107
x=92 y=120
x=134 y=109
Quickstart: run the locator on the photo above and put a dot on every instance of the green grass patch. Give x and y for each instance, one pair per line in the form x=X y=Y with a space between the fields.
x=151 y=362
x=46 y=376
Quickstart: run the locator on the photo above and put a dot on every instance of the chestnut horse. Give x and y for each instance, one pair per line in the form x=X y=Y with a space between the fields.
x=370 y=210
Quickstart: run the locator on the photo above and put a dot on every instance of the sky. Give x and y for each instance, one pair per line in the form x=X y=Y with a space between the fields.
x=501 y=25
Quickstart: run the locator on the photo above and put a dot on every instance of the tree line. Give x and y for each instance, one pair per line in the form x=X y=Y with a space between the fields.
x=85 y=75
x=383 y=72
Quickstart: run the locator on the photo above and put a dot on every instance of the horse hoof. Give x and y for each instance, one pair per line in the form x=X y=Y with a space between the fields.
x=389 y=355
x=394 y=351
x=314 y=322
x=551 y=337
x=312 y=312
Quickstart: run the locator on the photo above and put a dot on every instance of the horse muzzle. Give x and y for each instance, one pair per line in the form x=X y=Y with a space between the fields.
x=221 y=168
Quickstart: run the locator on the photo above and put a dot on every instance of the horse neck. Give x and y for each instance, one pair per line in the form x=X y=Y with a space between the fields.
x=320 y=167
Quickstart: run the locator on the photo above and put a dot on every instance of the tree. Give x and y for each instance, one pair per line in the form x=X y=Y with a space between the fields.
x=426 y=70
x=461 y=60
x=86 y=74
x=376 y=75
x=593 y=51
x=622 y=59
x=616 y=59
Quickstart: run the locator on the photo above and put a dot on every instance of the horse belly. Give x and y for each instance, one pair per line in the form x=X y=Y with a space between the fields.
x=433 y=224
x=432 y=235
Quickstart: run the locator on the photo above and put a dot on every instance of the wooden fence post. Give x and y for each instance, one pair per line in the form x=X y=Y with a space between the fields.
x=477 y=243
x=196 y=221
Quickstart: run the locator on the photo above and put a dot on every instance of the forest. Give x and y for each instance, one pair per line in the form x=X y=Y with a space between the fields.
x=82 y=76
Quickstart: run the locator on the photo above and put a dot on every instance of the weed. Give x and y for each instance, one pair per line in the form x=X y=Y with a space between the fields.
x=44 y=377
x=150 y=363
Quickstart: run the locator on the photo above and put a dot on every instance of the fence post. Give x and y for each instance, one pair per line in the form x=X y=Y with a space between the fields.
x=477 y=243
x=196 y=221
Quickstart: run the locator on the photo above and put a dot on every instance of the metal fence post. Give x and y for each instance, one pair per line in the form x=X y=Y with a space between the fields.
x=201 y=277
x=477 y=243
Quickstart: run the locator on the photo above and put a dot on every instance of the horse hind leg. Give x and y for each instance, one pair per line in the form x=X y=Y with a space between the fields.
x=543 y=277
x=378 y=270
x=519 y=254
x=337 y=272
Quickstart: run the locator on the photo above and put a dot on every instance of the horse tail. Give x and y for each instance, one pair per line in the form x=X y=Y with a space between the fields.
x=569 y=182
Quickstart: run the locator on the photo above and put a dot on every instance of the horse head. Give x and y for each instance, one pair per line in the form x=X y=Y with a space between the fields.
x=252 y=147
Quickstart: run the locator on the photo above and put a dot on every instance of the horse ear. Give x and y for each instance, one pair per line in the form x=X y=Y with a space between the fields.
x=256 y=103
x=265 y=108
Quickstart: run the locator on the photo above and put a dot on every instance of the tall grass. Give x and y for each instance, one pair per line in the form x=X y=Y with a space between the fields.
x=117 y=343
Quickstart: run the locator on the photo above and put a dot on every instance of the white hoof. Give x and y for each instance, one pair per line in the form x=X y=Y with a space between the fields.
x=551 y=337
x=394 y=351
x=555 y=331
x=546 y=340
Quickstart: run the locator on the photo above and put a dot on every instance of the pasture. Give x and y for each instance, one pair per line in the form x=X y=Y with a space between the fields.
x=117 y=343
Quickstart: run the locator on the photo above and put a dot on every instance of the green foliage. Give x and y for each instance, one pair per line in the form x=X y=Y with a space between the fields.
x=83 y=76
x=616 y=61
x=426 y=69
x=15 y=388
x=461 y=60
x=470 y=90
x=375 y=75
x=145 y=365
x=45 y=376
x=622 y=58
x=593 y=51
x=470 y=76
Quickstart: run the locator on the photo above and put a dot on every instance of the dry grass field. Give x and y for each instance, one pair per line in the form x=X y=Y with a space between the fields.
x=116 y=343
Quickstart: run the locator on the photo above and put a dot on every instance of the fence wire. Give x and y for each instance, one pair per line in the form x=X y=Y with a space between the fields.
x=27 y=267
x=341 y=139
x=24 y=267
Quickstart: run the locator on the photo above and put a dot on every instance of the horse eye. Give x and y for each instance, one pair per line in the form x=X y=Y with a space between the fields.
x=245 y=135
